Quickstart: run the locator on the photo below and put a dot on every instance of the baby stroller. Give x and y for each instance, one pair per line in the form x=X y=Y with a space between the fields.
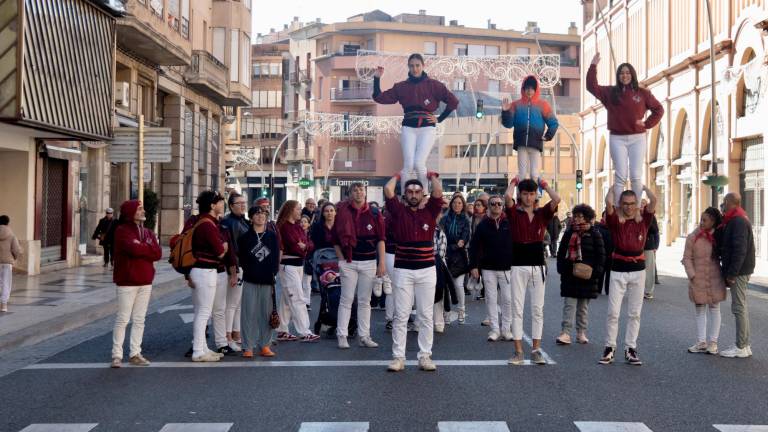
x=326 y=272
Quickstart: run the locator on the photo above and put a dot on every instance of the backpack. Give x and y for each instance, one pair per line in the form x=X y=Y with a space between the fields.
x=182 y=258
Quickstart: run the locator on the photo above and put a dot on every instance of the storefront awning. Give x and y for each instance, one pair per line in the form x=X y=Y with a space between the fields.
x=55 y=152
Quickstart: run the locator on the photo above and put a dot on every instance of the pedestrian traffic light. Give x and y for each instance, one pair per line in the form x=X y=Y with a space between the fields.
x=480 y=112
x=579 y=179
x=264 y=193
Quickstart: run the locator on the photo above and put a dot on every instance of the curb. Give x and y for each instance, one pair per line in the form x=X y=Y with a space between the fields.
x=54 y=327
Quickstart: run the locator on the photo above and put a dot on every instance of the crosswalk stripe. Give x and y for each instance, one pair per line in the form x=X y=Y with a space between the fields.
x=741 y=428
x=196 y=427
x=611 y=427
x=334 y=427
x=267 y=363
x=472 y=426
x=59 y=427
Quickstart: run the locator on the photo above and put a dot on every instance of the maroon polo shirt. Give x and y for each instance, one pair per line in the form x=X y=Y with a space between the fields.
x=414 y=232
x=528 y=234
x=628 y=241
x=369 y=229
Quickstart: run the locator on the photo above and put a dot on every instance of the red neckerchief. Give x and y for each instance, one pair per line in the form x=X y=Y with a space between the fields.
x=733 y=213
x=705 y=234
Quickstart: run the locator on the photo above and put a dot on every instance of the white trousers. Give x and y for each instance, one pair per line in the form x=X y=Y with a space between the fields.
x=356 y=276
x=523 y=279
x=714 y=319
x=203 y=295
x=498 y=298
x=6 y=278
x=410 y=285
x=628 y=157
x=306 y=288
x=132 y=303
x=416 y=144
x=219 y=317
x=528 y=161
x=292 y=307
x=633 y=285
x=234 y=297
x=389 y=313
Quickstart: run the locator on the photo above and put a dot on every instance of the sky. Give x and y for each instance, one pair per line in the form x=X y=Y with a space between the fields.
x=552 y=16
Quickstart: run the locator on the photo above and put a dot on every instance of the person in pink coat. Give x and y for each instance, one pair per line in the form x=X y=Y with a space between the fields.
x=706 y=286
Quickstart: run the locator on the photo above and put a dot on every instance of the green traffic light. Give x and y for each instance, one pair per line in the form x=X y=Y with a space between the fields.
x=479 y=115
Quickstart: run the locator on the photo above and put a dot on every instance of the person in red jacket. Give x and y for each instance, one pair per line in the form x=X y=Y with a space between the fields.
x=135 y=251
x=626 y=103
x=294 y=248
x=420 y=96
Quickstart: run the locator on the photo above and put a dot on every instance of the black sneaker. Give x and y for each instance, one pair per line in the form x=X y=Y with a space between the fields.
x=608 y=355
x=630 y=354
x=227 y=351
x=389 y=325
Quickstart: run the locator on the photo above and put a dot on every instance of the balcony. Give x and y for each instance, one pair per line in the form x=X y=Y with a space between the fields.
x=354 y=165
x=144 y=32
x=208 y=76
x=239 y=95
x=299 y=77
x=353 y=96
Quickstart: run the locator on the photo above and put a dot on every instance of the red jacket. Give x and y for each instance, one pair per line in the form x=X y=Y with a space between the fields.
x=622 y=118
x=290 y=236
x=358 y=231
x=136 y=250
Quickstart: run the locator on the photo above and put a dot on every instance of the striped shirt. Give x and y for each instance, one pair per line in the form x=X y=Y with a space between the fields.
x=413 y=231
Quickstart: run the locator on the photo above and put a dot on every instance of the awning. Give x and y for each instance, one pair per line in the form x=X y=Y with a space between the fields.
x=55 y=152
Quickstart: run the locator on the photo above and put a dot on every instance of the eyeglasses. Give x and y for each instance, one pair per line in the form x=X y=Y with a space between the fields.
x=496 y=204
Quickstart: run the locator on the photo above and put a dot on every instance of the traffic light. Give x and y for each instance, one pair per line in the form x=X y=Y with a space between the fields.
x=264 y=192
x=480 y=112
x=579 y=180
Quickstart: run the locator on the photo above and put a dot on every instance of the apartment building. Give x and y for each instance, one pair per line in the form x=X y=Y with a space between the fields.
x=668 y=42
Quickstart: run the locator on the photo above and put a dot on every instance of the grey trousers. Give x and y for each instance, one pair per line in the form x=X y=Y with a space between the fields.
x=740 y=310
x=575 y=309
x=650 y=271
x=256 y=307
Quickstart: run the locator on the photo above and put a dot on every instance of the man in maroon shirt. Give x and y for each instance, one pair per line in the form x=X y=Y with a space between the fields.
x=629 y=229
x=527 y=225
x=359 y=242
x=414 y=276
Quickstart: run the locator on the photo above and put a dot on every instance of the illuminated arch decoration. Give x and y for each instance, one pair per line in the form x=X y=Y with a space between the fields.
x=338 y=125
x=511 y=69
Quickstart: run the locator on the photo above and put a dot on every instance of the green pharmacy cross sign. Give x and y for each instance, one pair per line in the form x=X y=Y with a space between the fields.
x=305 y=183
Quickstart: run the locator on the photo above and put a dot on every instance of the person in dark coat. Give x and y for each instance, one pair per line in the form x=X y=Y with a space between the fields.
x=652 y=242
x=553 y=228
x=457 y=228
x=102 y=233
x=608 y=244
x=581 y=243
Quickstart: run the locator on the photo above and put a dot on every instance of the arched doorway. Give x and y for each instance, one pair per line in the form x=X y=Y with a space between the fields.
x=657 y=176
x=705 y=150
x=684 y=175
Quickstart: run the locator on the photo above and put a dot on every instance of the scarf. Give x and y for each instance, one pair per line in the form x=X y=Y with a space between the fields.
x=574 y=244
x=705 y=234
x=732 y=214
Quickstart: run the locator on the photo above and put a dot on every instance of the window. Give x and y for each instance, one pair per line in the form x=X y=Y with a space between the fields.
x=245 y=48
x=523 y=51
x=174 y=12
x=247 y=4
x=459 y=49
x=219 y=43
x=320 y=88
x=476 y=51
x=459 y=84
x=494 y=86
x=491 y=50
x=256 y=70
x=430 y=48
x=203 y=142
x=185 y=18
x=274 y=69
x=234 y=54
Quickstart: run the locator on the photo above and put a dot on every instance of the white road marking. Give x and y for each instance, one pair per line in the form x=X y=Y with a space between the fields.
x=741 y=428
x=268 y=363
x=611 y=427
x=334 y=427
x=472 y=426
x=59 y=427
x=196 y=427
x=187 y=317
x=176 y=306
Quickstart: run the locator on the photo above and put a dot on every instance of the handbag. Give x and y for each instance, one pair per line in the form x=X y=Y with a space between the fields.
x=274 y=318
x=457 y=261
x=582 y=271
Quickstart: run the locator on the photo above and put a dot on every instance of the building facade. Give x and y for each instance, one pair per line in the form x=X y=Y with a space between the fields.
x=670 y=51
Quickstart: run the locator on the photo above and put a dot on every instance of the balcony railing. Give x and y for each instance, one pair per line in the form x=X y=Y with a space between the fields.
x=354 y=165
x=299 y=77
x=345 y=94
x=208 y=75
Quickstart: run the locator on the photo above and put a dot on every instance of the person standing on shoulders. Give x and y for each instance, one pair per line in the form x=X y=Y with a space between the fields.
x=10 y=251
x=136 y=250
x=528 y=224
x=706 y=286
x=737 y=253
x=359 y=235
x=415 y=276
x=629 y=228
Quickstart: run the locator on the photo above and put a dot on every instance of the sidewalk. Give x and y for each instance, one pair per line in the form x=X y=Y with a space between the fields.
x=48 y=305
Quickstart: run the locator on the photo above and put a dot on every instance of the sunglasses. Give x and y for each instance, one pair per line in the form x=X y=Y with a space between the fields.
x=496 y=204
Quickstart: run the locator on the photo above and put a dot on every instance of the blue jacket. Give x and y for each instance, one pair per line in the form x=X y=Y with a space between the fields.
x=530 y=118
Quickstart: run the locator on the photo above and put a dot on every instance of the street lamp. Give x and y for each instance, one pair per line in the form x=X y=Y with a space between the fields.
x=330 y=164
x=274 y=159
x=713 y=105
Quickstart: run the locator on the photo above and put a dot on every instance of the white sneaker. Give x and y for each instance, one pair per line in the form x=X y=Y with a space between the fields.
x=4 y=307
x=234 y=346
x=368 y=343
x=426 y=364
x=736 y=352
x=378 y=284
x=506 y=335
x=386 y=286
x=343 y=344
x=699 y=347
x=217 y=354
x=396 y=365
x=439 y=328
x=462 y=317
x=493 y=336
x=207 y=357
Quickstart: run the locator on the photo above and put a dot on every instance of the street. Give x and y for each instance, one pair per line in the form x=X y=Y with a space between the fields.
x=312 y=387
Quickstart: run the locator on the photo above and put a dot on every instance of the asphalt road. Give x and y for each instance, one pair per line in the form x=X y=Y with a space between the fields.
x=673 y=391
